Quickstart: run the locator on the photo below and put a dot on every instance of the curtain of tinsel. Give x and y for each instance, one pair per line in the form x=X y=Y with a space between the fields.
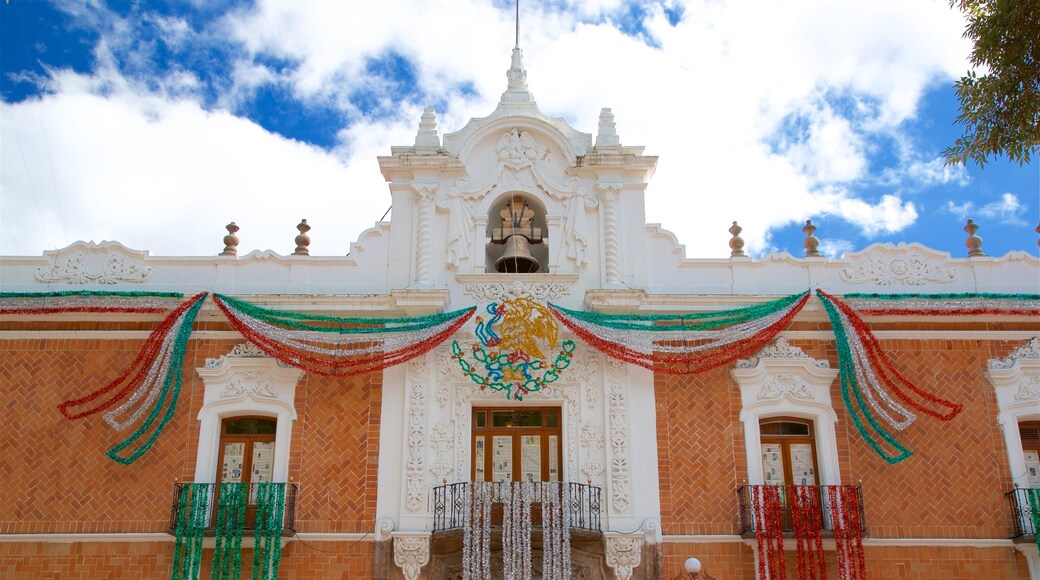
x=267 y=551
x=517 y=498
x=476 y=540
x=848 y=533
x=804 y=501
x=192 y=515
x=556 y=534
x=1033 y=499
x=768 y=531
x=232 y=500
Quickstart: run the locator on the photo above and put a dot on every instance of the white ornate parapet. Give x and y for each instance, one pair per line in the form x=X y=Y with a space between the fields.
x=902 y=265
x=90 y=263
x=1016 y=380
x=624 y=552
x=411 y=552
x=781 y=380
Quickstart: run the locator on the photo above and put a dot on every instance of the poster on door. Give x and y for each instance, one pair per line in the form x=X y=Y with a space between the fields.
x=802 y=464
x=263 y=462
x=502 y=458
x=772 y=464
x=234 y=457
x=530 y=458
x=1033 y=468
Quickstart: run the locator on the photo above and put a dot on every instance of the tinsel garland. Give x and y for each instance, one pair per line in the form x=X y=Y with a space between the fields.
x=516 y=530
x=476 y=538
x=155 y=379
x=267 y=548
x=96 y=301
x=961 y=304
x=232 y=500
x=848 y=534
x=339 y=346
x=866 y=371
x=190 y=529
x=671 y=346
x=765 y=500
x=1033 y=501
x=556 y=543
x=804 y=501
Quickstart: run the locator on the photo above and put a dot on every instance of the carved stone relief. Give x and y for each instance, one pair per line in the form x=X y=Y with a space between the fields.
x=619 y=457
x=411 y=553
x=905 y=268
x=781 y=349
x=108 y=263
x=786 y=385
x=415 y=488
x=1029 y=350
x=623 y=554
x=498 y=291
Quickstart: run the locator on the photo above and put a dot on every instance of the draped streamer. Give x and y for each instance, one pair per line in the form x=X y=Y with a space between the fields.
x=808 y=530
x=267 y=549
x=769 y=532
x=683 y=344
x=945 y=304
x=867 y=373
x=339 y=346
x=151 y=384
x=848 y=532
x=189 y=531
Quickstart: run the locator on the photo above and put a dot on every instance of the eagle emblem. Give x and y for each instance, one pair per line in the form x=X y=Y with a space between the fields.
x=515 y=341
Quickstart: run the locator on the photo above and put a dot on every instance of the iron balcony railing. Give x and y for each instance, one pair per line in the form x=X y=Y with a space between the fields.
x=206 y=492
x=1025 y=518
x=830 y=503
x=584 y=500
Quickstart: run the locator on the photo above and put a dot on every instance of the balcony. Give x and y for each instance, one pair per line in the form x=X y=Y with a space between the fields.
x=830 y=504
x=582 y=504
x=1024 y=513
x=193 y=505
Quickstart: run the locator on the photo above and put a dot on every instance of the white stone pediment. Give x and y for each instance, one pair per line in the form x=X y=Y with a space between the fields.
x=90 y=263
x=898 y=265
x=523 y=116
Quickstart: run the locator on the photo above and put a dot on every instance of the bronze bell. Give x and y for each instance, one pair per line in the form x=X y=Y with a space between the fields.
x=517 y=258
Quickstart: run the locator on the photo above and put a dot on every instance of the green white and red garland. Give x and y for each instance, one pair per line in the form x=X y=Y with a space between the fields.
x=328 y=345
x=148 y=388
x=97 y=301
x=683 y=344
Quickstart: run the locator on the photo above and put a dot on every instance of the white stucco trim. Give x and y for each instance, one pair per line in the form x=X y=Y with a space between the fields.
x=245 y=382
x=783 y=381
x=1016 y=381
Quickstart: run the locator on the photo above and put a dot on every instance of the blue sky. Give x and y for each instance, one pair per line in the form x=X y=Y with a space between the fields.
x=155 y=124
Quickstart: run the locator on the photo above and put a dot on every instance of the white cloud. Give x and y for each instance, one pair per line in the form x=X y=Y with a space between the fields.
x=1008 y=210
x=709 y=100
x=835 y=248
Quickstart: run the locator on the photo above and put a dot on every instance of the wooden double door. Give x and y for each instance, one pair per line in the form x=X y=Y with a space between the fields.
x=246 y=456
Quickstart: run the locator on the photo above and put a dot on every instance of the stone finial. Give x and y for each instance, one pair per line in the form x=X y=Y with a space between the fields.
x=516 y=91
x=736 y=243
x=973 y=243
x=230 y=241
x=811 y=242
x=427 y=135
x=607 y=136
x=303 y=240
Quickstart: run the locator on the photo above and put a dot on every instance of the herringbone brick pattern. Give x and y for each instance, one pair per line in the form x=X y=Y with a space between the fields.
x=700 y=450
x=723 y=560
x=338 y=450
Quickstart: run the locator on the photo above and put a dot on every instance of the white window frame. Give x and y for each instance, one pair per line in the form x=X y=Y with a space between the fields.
x=782 y=381
x=245 y=382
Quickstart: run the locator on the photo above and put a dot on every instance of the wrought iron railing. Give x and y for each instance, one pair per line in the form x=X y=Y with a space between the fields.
x=1024 y=516
x=207 y=495
x=584 y=500
x=830 y=502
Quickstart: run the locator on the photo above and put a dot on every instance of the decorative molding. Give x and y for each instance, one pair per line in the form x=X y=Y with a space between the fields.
x=415 y=486
x=419 y=367
x=383 y=528
x=616 y=367
x=1029 y=391
x=441 y=440
x=591 y=436
x=498 y=291
x=254 y=382
x=889 y=265
x=1029 y=350
x=90 y=263
x=781 y=349
x=445 y=369
x=624 y=552
x=786 y=386
x=424 y=195
x=620 y=469
x=411 y=552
